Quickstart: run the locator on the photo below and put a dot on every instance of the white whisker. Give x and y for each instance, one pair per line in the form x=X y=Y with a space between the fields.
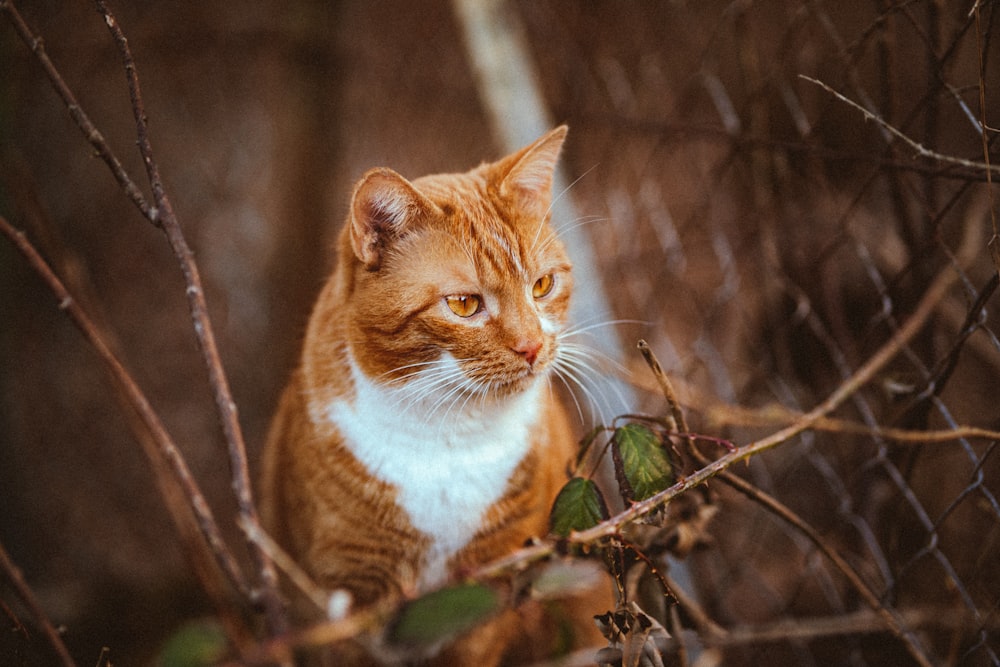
x=418 y=364
x=439 y=380
x=557 y=232
x=569 y=390
x=574 y=383
x=538 y=231
x=584 y=327
x=461 y=392
x=570 y=187
x=593 y=359
x=584 y=365
x=582 y=221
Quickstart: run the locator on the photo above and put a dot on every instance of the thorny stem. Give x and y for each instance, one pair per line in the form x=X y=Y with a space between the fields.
x=163 y=215
x=76 y=112
x=29 y=600
x=776 y=507
x=137 y=400
x=919 y=148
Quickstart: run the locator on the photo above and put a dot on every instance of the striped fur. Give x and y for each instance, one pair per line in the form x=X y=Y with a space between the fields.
x=412 y=444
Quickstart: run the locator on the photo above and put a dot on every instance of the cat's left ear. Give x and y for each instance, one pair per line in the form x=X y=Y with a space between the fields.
x=383 y=207
x=529 y=172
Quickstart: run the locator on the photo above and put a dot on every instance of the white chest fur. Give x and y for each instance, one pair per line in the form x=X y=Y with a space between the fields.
x=448 y=469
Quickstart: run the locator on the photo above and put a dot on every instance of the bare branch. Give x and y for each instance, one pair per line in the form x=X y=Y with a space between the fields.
x=165 y=452
x=994 y=243
x=937 y=290
x=76 y=112
x=857 y=623
x=773 y=505
x=777 y=414
x=920 y=149
x=23 y=591
x=299 y=577
x=163 y=214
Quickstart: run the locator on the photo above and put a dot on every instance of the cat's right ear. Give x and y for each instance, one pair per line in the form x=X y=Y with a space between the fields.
x=384 y=205
x=527 y=174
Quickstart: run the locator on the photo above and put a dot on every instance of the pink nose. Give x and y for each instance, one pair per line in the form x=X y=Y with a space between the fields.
x=528 y=348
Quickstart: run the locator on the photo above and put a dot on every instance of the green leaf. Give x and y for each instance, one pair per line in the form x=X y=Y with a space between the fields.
x=642 y=461
x=578 y=506
x=196 y=644
x=442 y=614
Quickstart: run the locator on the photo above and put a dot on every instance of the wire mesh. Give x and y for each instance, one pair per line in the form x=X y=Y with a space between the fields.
x=771 y=237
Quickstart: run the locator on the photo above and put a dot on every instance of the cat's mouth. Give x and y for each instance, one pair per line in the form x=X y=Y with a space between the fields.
x=448 y=379
x=515 y=382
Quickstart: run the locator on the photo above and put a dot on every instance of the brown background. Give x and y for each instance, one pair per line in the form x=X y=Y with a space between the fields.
x=767 y=250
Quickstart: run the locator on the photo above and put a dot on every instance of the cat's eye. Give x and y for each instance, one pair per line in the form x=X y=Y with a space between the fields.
x=464 y=305
x=543 y=286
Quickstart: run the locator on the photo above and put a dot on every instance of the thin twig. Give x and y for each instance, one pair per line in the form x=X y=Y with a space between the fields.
x=889 y=616
x=295 y=573
x=27 y=597
x=669 y=395
x=773 y=415
x=282 y=648
x=163 y=214
x=994 y=244
x=727 y=414
x=921 y=150
x=104 y=660
x=17 y=627
x=76 y=112
x=707 y=627
x=166 y=449
x=857 y=623
x=935 y=292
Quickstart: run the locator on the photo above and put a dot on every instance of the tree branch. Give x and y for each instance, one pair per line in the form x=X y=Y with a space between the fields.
x=937 y=290
x=165 y=449
x=76 y=112
x=163 y=215
x=29 y=600
x=920 y=149
x=889 y=616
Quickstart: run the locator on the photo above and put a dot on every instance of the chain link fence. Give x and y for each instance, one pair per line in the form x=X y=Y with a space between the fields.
x=775 y=187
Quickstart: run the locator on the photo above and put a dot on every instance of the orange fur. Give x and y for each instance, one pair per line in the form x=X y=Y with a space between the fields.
x=351 y=509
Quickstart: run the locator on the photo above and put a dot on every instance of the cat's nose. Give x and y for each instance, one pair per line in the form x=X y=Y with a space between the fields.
x=528 y=348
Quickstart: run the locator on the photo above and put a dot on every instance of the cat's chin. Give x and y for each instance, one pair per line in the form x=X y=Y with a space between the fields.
x=513 y=387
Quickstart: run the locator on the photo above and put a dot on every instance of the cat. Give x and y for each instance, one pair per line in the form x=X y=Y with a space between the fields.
x=421 y=435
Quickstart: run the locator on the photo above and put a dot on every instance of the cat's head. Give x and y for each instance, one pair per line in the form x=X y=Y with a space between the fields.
x=458 y=282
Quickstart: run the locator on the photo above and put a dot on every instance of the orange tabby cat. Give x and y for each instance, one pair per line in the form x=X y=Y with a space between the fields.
x=420 y=436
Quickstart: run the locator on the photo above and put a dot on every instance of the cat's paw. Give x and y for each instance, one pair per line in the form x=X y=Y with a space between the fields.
x=338 y=605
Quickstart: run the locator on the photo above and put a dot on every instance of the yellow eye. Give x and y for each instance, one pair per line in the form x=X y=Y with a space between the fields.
x=543 y=286
x=464 y=305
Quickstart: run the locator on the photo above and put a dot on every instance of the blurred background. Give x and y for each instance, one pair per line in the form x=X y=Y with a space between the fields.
x=764 y=237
